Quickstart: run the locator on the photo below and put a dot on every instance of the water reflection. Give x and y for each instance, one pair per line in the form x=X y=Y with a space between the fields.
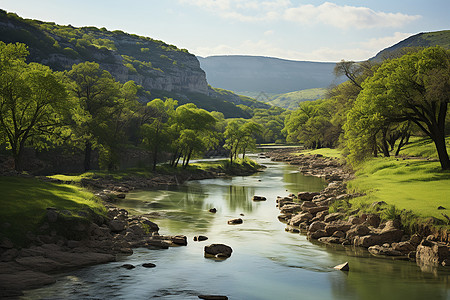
x=267 y=263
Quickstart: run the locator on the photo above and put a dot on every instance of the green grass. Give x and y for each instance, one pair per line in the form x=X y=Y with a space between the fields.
x=412 y=185
x=24 y=202
x=327 y=152
x=422 y=147
x=292 y=100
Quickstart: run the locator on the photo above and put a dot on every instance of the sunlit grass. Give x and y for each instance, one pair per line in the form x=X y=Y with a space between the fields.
x=24 y=202
x=327 y=152
x=422 y=147
x=416 y=185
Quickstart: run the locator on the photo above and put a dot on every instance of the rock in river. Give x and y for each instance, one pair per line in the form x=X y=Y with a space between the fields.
x=215 y=250
x=235 y=221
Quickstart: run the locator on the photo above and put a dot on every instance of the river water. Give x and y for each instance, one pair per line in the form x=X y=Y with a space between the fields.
x=266 y=263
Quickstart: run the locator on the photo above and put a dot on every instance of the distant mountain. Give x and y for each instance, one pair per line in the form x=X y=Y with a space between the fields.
x=240 y=73
x=424 y=39
x=160 y=68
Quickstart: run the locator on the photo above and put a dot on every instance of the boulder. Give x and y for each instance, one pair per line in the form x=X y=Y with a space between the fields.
x=383 y=250
x=290 y=209
x=213 y=210
x=315 y=210
x=127 y=266
x=373 y=220
x=306 y=196
x=404 y=247
x=152 y=226
x=331 y=240
x=315 y=226
x=333 y=217
x=339 y=225
x=212 y=297
x=200 y=238
x=343 y=267
x=300 y=218
x=432 y=253
x=180 y=240
x=235 y=221
x=215 y=249
x=259 y=198
x=357 y=230
x=305 y=206
x=148 y=265
x=117 y=225
x=318 y=234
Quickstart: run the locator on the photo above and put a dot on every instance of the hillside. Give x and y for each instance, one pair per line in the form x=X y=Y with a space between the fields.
x=292 y=100
x=424 y=39
x=162 y=69
x=266 y=74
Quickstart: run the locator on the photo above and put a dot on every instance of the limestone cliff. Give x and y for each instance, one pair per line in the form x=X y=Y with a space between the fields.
x=152 y=64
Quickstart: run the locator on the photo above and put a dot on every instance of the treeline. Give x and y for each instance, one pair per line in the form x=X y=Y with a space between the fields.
x=86 y=109
x=380 y=106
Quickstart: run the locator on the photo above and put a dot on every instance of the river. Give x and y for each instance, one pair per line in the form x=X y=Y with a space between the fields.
x=266 y=263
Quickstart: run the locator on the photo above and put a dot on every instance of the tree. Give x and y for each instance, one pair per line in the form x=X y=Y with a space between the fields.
x=32 y=102
x=415 y=88
x=96 y=91
x=240 y=137
x=193 y=131
x=156 y=131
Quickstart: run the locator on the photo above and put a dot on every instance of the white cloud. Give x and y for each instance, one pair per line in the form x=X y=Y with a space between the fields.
x=269 y=32
x=346 y=16
x=327 y=13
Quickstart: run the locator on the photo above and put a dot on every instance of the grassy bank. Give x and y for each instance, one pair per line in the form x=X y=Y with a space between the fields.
x=24 y=202
x=412 y=189
x=415 y=187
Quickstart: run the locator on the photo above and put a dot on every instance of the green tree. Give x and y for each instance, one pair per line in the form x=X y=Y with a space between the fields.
x=240 y=137
x=97 y=92
x=195 y=129
x=415 y=88
x=157 y=130
x=32 y=102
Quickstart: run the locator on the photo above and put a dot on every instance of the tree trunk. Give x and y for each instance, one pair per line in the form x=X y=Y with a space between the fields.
x=384 y=144
x=18 y=161
x=155 y=156
x=441 y=148
x=87 y=156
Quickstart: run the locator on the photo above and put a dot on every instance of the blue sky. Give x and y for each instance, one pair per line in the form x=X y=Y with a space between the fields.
x=290 y=29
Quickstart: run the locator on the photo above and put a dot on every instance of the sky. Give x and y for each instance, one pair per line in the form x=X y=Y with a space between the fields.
x=302 y=30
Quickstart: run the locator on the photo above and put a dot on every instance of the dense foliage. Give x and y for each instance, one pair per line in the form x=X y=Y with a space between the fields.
x=87 y=110
x=380 y=106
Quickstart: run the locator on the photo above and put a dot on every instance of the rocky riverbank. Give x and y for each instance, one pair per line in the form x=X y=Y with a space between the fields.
x=308 y=213
x=97 y=242
x=65 y=241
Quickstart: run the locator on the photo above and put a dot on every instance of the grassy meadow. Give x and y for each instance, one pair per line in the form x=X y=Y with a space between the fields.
x=25 y=200
x=413 y=185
